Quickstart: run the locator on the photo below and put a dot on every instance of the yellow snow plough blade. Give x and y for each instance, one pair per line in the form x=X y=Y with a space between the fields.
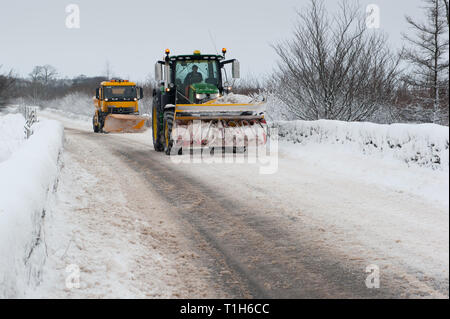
x=124 y=123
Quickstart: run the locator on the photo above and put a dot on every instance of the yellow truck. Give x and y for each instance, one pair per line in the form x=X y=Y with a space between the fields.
x=116 y=107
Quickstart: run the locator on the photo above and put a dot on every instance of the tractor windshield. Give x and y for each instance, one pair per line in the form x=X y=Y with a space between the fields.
x=120 y=93
x=189 y=72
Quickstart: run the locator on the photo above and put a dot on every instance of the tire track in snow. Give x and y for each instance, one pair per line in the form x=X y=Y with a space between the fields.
x=267 y=261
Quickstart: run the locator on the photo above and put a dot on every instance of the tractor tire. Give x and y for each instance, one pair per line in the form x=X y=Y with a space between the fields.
x=168 y=124
x=168 y=142
x=157 y=129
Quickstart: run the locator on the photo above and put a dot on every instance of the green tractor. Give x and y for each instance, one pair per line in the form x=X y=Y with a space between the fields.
x=193 y=93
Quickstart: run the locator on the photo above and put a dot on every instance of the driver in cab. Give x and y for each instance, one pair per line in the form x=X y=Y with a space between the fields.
x=193 y=77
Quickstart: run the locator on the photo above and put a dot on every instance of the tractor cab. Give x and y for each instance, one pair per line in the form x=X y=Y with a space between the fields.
x=195 y=78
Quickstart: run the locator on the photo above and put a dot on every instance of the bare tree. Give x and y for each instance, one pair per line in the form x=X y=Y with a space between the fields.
x=334 y=67
x=43 y=74
x=108 y=73
x=446 y=11
x=42 y=77
x=428 y=53
x=35 y=74
x=7 y=82
x=36 y=88
x=48 y=74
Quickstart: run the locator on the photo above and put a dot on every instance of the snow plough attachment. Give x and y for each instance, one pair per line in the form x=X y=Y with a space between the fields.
x=116 y=107
x=218 y=125
x=194 y=107
x=124 y=123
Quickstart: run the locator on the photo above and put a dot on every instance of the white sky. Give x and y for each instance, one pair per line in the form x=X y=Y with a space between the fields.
x=133 y=34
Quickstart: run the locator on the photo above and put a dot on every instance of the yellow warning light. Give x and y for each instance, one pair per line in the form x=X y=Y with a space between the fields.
x=224 y=50
x=167 y=51
x=197 y=52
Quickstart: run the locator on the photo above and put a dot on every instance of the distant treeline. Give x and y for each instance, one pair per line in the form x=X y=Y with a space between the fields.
x=43 y=85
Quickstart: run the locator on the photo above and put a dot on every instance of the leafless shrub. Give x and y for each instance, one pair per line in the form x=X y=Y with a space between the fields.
x=145 y=105
x=334 y=67
x=7 y=82
x=250 y=85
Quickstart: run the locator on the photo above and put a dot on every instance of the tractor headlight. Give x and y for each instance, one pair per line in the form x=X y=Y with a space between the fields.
x=200 y=96
x=214 y=95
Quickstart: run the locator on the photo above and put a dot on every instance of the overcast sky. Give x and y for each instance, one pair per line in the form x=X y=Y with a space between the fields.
x=133 y=34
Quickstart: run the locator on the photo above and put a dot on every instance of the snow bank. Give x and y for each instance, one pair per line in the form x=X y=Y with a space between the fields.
x=27 y=175
x=11 y=134
x=425 y=145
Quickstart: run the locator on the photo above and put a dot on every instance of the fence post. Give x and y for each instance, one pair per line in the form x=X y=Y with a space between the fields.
x=30 y=114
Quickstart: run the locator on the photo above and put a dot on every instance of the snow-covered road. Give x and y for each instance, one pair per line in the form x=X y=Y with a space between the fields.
x=139 y=225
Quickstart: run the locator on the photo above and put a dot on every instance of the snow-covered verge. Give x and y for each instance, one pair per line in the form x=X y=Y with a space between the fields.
x=28 y=176
x=424 y=145
x=12 y=135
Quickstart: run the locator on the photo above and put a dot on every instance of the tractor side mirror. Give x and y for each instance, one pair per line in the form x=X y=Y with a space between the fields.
x=158 y=72
x=97 y=93
x=235 y=69
x=140 y=93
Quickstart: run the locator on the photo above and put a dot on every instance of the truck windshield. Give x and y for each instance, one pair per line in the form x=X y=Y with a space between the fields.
x=196 y=71
x=119 y=93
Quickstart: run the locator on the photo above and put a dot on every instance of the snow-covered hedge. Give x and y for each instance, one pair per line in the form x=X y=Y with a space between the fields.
x=76 y=103
x=28 y=174
x=418 y=144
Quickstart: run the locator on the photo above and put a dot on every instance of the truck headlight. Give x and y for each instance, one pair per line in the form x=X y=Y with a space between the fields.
x=200 y=96
x=214 y=95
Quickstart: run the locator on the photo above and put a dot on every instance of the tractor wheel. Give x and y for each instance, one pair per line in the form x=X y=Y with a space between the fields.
x=157 y=130
x=168 y=142
x=168 y=124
